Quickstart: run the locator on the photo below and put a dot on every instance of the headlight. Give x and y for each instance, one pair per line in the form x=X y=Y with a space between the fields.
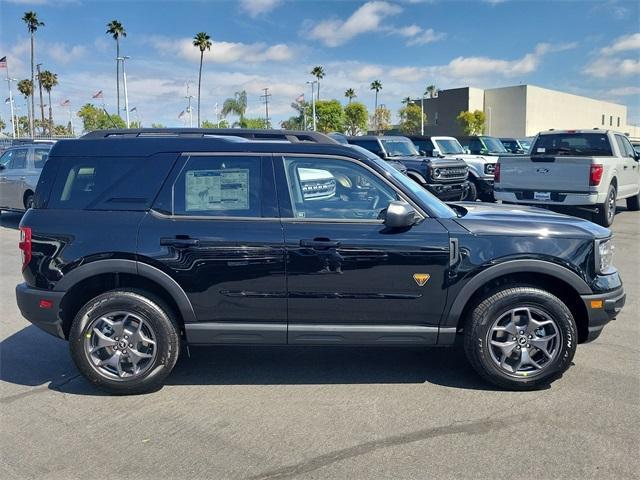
x=604 y=255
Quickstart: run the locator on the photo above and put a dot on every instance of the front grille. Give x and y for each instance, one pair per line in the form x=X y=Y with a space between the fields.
x=450 y=173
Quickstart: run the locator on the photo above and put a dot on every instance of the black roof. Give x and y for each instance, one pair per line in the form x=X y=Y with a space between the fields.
x=144 y=142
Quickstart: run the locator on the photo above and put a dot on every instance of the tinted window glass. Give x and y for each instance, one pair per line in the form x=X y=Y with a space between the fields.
x=624 y=146
x=40 y=157
x=6 y=158
x=108 y=183
x=215 y=186
x=371 y=145
x=572 y=144
x=18 y=159
x=335 y=189
x=399 y=148
x=475 y=146
x=449 y=146
x=424 y=146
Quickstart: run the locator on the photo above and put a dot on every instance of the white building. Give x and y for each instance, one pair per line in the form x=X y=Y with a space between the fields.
x=523 y=111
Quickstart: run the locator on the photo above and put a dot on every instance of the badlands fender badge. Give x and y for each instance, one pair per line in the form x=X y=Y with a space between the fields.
x=421 y=278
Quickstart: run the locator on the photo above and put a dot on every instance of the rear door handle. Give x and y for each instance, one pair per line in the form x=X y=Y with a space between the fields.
x=179 y=242
x=319 y=243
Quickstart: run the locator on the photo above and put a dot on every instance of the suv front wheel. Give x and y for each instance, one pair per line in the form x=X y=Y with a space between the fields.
x=520 y=338
x=125 y=342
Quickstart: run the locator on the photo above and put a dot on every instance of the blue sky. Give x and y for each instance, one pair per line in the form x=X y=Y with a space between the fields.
x=584 y=47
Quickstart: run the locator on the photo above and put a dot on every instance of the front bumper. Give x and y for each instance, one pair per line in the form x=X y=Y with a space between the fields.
x=448 y=191
x=601 y=309
x=48 y=319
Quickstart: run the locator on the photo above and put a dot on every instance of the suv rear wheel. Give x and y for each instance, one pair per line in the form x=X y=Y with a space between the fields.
x=520 y=338
x=125 y=342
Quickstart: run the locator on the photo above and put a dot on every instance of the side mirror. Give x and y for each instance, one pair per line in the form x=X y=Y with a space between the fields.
x=467 y=151
x=436 y=152
x=423 y=153
x=381 y=154
x=2 y=166
x=399 y=214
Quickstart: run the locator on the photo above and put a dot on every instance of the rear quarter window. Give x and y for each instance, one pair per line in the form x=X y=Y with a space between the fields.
x=107 y=183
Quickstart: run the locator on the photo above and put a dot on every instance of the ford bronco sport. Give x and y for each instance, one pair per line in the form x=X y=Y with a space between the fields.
x=141 y=242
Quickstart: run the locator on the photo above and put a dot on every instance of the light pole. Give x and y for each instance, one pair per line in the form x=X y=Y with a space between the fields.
x=189 y=97
x=13 y=116
x=124 y=79
x=313 y=102
x=422 y=114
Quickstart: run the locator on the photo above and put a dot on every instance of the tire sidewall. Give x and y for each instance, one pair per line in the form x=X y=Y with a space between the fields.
x=166 y=340
x=527 y=297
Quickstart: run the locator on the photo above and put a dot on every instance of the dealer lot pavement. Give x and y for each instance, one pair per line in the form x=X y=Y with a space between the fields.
x=274 y=413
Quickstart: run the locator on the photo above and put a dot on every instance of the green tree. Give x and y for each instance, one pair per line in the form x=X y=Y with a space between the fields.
x=254 y=123
x=431 y=90
x=33 y=23
x=381 y=119
x=22 y=125
x=329 y=116
x=472 y=122
x=61 y=130
x=376 y=85
x=318 y=72
x=2 y=125
x=355 y=118
x=158 y=125
x=203 y=42
x=410 y=119
x=48 y=80
x=25 y=87
x=350 y=93
x=236 y=105
x=95 y=118
x=116 y=30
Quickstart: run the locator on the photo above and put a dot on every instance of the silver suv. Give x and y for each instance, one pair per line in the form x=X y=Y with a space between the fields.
x=20 y=169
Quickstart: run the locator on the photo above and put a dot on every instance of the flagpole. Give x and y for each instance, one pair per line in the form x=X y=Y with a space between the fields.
x=9 y=80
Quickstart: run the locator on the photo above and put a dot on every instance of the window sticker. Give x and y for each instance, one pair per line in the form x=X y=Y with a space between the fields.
x=217 y=189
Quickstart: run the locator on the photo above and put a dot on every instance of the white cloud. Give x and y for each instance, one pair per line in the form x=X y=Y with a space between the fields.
x=623 y=44
x=367 y=72
x=624 y=91
x=425 y=37
x=64 y=54
x=365 y=19
x=255 y=8
x=224 y=52
x=604 y=67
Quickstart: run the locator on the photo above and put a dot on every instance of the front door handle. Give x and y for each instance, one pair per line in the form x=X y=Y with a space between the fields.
x=319 y=243
x=179 y=242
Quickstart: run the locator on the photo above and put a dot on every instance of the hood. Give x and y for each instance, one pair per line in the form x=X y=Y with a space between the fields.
x=521 y=221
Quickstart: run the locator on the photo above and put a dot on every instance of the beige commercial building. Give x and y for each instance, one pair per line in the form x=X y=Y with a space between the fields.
x=523 y=111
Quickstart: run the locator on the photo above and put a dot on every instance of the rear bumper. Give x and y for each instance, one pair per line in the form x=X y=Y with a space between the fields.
x=557 y=198
x=601 y=309
x=448 y=191
x=47 y=319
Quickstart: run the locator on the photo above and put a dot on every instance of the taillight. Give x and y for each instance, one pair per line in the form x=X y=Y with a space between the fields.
x=25 y=245
x=595 y=175
x=496 y=173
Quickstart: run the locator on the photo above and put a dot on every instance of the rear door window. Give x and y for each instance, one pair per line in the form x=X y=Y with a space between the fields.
x=108 y=183
x=40 y=156
x=15 y=159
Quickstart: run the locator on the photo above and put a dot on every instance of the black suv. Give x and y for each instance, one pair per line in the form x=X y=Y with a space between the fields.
x=143 y=241
x=445 y=178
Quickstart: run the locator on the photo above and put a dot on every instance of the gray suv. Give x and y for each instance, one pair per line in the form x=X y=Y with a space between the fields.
x=20 y=169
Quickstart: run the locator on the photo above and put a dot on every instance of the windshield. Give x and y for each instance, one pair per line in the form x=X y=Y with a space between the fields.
x=449 y=146
x=399 y=148
x=526 y=144
x=573 y=144
x=493 y=145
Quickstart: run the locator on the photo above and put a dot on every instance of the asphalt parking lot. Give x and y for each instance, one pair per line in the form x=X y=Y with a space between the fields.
x=275 y=413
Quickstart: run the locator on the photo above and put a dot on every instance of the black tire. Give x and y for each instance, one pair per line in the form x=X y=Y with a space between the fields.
x=480 y=326
x=633 y=203
x=472 y=193
x=28 y=201
x=151 y=310
x=607 y=210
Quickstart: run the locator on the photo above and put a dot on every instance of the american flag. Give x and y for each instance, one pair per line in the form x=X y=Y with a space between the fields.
x=98 y=94
x=181 y=114
x=3 y=62
x=66 y=103
x=300 y=98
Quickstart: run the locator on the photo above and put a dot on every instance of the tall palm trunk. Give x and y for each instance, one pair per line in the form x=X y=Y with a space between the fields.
x=41 y=102
x=375 y=111
x=50 y=114
x=318 y=95
x=33 y=83
x=118 y=75
x=199 y=82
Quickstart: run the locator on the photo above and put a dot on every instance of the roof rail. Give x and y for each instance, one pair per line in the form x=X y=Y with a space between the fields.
x=291 y=136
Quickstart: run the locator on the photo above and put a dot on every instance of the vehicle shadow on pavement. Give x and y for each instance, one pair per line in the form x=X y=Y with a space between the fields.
x=10 y=220
x=248 y=365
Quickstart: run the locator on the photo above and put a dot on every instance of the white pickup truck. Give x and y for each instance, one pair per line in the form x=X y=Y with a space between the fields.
x=573 y=168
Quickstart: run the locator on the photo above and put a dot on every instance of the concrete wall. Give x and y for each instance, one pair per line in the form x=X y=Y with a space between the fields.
x=506 y=111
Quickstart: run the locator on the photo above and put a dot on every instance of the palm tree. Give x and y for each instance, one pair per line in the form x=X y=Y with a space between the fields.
x=350 y=93
x=116 y=30
x=236 y=105
x=49 y=80
x=203 y=42
x=432 y=90
x=377 y=86
x=25 y=87
x=318 y=72
x=406 y=100
x=31 y=19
